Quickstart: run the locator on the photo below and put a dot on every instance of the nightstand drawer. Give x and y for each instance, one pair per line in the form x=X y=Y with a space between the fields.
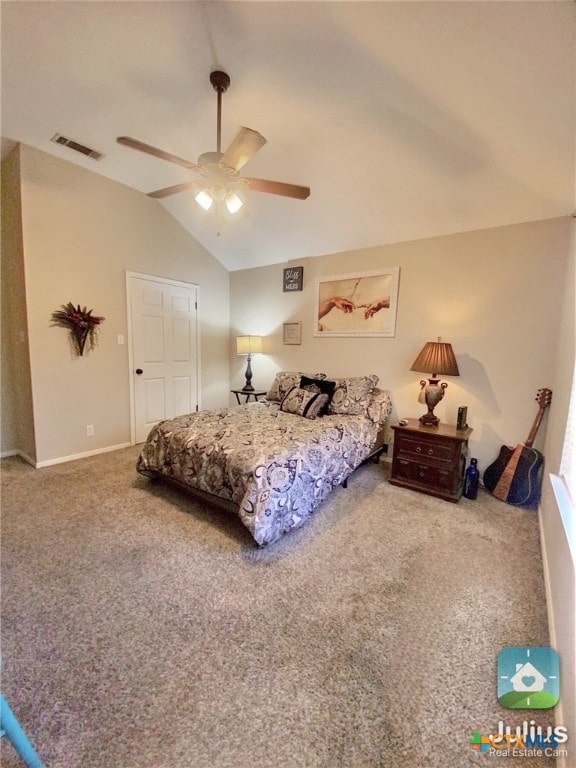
x=423 y=476
x=422 y=447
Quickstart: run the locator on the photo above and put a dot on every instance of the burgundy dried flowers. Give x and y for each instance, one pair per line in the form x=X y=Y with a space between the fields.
x=81 y=323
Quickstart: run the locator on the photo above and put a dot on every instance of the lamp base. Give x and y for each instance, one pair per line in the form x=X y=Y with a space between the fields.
x=248 y=375
x=433 y=392
x=429 y=420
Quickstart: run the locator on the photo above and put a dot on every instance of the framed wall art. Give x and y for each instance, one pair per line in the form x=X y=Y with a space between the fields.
x=292 y=333
x=293 y=279
x=357 y=304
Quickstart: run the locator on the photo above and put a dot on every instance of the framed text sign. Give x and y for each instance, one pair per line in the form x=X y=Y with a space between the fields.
x=293 y=279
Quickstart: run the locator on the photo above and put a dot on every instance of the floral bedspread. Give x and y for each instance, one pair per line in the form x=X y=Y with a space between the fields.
x=277 y=467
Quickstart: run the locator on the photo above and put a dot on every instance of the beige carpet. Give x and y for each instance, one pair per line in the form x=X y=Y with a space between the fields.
x=140 y=630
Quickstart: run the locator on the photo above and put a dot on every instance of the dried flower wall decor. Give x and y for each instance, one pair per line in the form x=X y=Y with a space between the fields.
x=81 y=323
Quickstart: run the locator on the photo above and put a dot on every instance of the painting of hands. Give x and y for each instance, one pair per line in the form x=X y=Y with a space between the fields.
x=359 y=305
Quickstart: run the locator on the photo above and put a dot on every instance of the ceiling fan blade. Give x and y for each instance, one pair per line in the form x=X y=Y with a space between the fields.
x=279 y=188
x=149 y=150
x=243 y=146
x=173 y=190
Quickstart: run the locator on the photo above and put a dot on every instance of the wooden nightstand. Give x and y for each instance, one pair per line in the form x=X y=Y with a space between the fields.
x=255 y=394
x=430 y=459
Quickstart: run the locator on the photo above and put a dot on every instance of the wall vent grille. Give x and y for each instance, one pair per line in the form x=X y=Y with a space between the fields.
x=59 y=139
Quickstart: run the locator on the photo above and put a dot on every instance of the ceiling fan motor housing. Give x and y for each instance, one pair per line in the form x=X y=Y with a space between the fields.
x=220 y=81
x=210 y=158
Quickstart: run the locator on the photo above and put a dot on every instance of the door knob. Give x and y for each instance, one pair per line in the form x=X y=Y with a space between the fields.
x=139 y=371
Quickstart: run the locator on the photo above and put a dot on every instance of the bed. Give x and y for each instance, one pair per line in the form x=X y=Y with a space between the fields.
x=273 y=461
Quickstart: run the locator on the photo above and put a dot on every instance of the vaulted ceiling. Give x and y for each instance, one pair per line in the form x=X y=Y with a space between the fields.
x=406 y=119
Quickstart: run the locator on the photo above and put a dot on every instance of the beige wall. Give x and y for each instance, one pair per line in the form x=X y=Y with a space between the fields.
x=494 y=294
x=81 y=233
x=17 y=423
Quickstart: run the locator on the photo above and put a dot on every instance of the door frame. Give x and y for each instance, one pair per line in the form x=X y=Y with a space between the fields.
x=164 y=281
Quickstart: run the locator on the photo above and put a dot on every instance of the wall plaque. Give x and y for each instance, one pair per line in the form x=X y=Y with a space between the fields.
x=293 y=279
x=292 y=333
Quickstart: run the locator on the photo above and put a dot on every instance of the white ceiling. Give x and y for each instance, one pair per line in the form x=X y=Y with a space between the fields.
x=406 y=119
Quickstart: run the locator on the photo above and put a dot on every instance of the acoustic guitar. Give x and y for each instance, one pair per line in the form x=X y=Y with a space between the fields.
x=516 y=475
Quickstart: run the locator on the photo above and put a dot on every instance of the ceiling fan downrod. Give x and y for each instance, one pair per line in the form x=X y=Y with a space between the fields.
x=220 y=82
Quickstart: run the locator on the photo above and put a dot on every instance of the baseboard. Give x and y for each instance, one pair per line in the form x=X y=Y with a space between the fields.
x=6 y=454
x=75 y=456
x=21 y=454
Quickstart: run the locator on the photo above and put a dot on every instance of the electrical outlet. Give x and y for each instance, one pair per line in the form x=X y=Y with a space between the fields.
x=90 y=430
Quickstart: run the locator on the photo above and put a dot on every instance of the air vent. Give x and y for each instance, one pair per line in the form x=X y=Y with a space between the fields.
x=59 y=139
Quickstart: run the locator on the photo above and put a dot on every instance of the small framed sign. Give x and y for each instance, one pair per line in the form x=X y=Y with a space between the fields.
x=292 y=333
x=293 y=279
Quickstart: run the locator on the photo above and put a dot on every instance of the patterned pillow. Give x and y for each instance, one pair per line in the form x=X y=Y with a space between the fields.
x=284 y=381
x=379 y=407
x=325 y=386
x=301 y=402
x=352 y=396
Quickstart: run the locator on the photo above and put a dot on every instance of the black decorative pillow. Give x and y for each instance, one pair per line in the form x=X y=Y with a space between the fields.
x=301 y=402
x=324 y=386
x=284 y=380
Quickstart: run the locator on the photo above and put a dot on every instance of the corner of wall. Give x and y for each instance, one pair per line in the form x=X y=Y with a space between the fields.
x=17 y=426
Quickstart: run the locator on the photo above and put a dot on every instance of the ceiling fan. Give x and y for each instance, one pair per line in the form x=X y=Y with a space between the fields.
x=220 y=170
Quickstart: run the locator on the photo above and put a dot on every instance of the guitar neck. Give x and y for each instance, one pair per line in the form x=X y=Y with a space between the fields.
x=538 y=420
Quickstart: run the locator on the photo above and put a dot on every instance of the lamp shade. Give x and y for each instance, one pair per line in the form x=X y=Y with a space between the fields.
x=233 y=202
x=204 y=200
x=248 y=345
x=436 y=357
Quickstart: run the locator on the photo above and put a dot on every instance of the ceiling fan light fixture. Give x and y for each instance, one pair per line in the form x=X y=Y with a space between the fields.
x=204 y=200
x=233 y=202
x=220 y=170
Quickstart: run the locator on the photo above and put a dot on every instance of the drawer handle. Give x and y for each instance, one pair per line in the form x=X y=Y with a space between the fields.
x=430 y=451
x=418 y=449
x=421 y=474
